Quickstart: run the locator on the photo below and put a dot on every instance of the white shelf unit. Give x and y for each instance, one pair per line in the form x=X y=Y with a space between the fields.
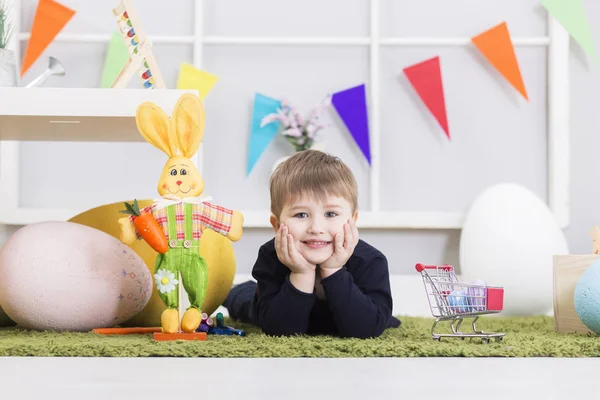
x=557 y=43
x=57 y=114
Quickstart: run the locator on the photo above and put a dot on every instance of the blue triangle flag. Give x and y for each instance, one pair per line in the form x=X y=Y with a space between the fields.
x=260 y=138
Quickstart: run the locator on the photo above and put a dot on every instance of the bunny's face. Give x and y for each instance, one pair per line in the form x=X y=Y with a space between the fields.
x=180 y=178
x=178 y=137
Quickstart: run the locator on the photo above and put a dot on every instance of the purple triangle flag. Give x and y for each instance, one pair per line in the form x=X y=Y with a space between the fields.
x=351 y=105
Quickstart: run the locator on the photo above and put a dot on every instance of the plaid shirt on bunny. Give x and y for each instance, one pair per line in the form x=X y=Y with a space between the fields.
x=205 y=215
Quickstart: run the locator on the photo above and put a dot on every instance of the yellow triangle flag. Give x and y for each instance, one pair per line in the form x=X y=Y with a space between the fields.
x=191 y=77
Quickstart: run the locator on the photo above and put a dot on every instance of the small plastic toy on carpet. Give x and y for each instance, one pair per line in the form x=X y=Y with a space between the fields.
x=208 y=325
x=452 y=300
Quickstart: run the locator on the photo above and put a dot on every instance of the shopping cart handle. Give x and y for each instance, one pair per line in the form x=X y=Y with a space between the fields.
x=421 y=267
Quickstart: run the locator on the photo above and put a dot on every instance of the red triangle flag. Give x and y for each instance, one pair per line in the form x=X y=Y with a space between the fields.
x=50 y=18
x=426 y=78
x=495 y=44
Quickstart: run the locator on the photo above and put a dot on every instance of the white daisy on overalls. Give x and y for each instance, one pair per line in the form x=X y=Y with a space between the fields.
x=165 y=281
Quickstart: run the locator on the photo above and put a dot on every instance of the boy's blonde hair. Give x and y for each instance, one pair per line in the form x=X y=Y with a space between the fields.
x=313 y=173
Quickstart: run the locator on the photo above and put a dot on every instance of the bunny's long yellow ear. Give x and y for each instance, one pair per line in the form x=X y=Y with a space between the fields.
x=188 y=118
x=155 y=126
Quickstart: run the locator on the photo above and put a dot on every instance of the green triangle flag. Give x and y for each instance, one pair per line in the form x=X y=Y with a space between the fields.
x=117 y=56
x=571 y=15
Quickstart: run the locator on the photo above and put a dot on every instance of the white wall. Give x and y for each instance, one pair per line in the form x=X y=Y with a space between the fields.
x=422 y=171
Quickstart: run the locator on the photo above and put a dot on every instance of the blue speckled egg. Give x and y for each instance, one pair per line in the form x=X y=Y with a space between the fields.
x=587 y=297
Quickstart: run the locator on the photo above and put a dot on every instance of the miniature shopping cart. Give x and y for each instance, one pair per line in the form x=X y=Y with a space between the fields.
x=452 y=300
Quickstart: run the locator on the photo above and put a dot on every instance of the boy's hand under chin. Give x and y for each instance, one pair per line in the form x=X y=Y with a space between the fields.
x=289 y=255
x=343 y=247
x=303 y=272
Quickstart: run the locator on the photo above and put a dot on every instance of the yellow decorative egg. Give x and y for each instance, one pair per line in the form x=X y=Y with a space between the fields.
x=216 y=249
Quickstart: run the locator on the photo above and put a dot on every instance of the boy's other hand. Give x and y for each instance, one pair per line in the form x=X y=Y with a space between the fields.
x=289 y=255
x=343 y=247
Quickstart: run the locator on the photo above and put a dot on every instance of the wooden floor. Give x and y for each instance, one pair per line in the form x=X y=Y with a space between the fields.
x=245 y=379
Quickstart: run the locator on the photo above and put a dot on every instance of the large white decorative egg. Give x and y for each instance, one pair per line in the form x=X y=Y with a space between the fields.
x=67 y=276
x=508 y=239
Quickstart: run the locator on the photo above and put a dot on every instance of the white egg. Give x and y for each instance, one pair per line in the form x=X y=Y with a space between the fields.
x=67 y=276
x=508 y=239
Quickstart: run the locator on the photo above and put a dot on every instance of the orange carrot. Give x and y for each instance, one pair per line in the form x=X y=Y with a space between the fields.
x=148 y=228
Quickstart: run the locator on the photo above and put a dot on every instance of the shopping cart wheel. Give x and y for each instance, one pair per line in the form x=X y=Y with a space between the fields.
x=499 y=339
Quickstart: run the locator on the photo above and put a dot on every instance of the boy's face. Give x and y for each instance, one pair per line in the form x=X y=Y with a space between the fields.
x=314 y=225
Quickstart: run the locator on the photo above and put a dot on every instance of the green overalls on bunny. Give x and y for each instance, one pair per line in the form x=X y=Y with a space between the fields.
x=183 y=257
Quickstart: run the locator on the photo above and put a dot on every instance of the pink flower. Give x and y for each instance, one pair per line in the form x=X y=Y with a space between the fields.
x=293 y=132
x=298 y=129
x=293 y=120
x=283 y=118
x=320 y=108
x=313 y=129
x=269 y=119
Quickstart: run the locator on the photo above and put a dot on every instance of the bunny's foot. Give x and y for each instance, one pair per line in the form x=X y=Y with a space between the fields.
x=170 y=320
x=191 y=320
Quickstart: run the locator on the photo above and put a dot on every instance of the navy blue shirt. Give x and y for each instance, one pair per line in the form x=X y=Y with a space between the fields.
x=358 y=299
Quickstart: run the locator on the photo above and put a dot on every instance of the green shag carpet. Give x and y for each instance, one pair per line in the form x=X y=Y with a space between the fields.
x=525 y=337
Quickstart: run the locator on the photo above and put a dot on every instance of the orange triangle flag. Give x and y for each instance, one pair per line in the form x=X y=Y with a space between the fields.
x=497 y=47
x=50 y=18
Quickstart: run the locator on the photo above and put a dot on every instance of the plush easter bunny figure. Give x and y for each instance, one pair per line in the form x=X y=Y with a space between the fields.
x=181 y=213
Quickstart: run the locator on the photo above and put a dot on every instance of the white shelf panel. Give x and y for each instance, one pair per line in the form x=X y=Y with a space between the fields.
x=76 y=114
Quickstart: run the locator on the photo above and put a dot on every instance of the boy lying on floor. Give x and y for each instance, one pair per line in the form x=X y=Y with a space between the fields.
x=316 y=276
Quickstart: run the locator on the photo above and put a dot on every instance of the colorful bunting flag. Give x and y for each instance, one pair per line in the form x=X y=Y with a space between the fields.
x=261 y=137
x=426 y=78
x=191 y=77
x=50 y=18
x=351 y=106
x=496 y=45
x=117 y=56
x=571 y=15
